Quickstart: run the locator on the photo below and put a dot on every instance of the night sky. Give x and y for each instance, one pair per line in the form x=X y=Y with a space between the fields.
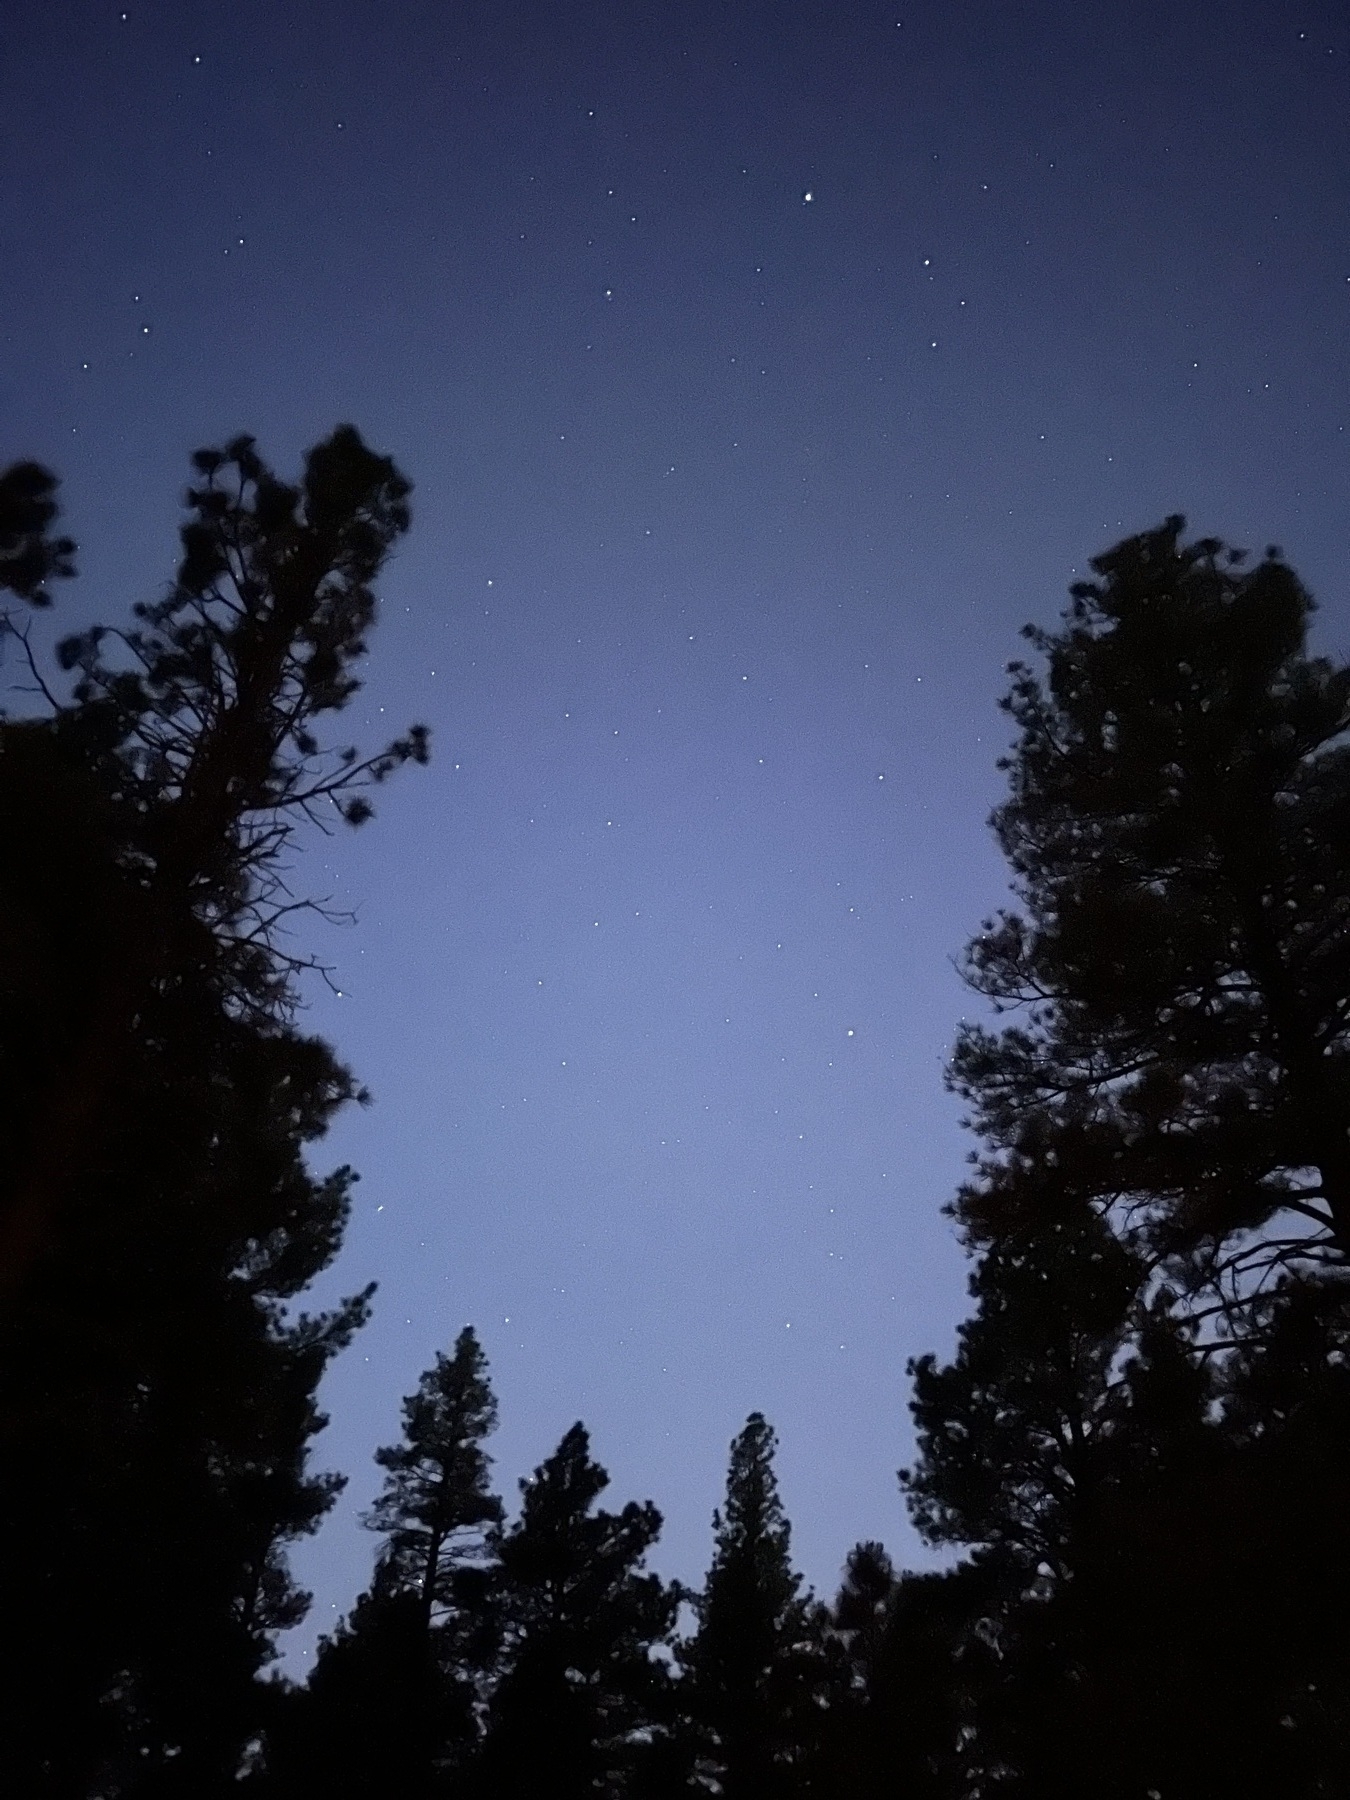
x=760 y=369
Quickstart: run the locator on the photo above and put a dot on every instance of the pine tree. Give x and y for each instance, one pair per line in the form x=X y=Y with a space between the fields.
x=582 y=1699
x=436 y=1511
x=1178 y=829
x=1164 y=1174
x=200 y=732
x=755 y=1669
x=394 y=1700
x=157 y=1214
x=157 y=1405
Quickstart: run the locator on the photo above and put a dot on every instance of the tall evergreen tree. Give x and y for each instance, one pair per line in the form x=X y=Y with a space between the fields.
x=396 y=1693
x=436 y=1511
x=201 y=732
x=755 y=1668
x=1178 y=829
x=1165 y=1152
x=157 y=1214
x=582 y=1700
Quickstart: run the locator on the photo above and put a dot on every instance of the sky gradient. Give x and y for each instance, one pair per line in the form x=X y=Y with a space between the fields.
x=760 y=371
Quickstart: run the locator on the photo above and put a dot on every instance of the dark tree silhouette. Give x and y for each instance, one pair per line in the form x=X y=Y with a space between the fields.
x=582 y=1702
x=437 y=1511
x=1067 y=1410
x=1179 y=833
x=201 y=733
x=853 y=1756
x=156 y=1406
x=158 y=1217
x=1012 y=1435
x=29 y=555
x=901 y=1724
x=756 y=1670
x=1133 y=1441
x=375 y=1717
x=395 y=1698
x=1157 y=1601
x=1271 y=1623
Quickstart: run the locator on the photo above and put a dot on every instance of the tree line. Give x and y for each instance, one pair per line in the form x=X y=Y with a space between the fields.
x=1134 y=1463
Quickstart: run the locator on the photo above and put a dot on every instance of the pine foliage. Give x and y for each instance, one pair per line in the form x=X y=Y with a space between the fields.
x=159 y=1218
x=1178 y=829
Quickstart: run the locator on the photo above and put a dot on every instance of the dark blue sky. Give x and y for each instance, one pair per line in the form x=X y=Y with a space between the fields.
x=760 y=370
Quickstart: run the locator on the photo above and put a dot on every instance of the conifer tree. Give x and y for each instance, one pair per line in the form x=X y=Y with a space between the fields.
x=436 y=1511
x=1133 y=1604
x=582 y=1701
x=201 y=733
x=157 y=1213
x=395 y=1697
x=1178 y=828
x=755 y=1668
